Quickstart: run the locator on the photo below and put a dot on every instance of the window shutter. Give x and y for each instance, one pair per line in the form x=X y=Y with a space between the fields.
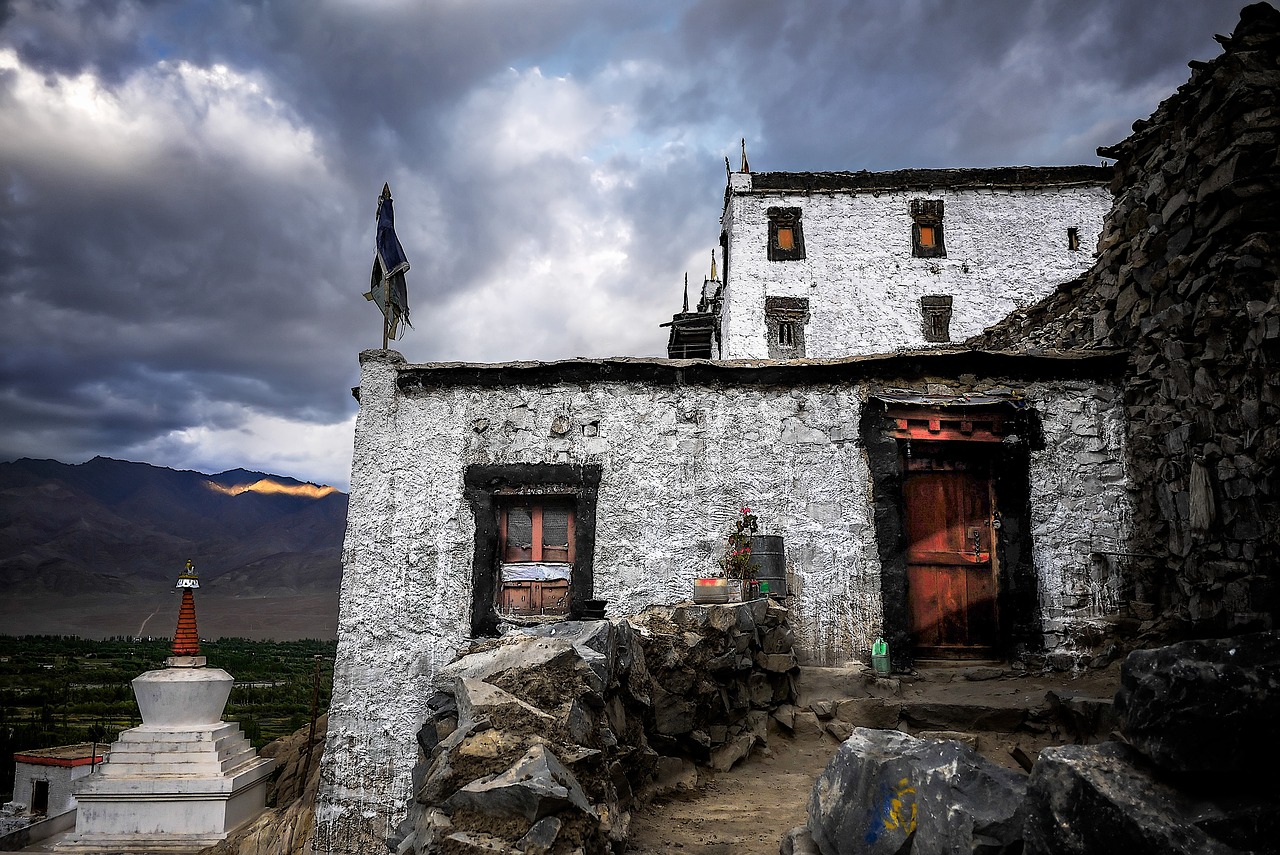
x=519 y=535
x=556 y=533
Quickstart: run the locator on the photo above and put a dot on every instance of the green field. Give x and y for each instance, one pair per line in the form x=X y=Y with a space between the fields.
x=56 y=690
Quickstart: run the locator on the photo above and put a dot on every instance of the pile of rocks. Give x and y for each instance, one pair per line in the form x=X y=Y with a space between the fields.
x=1186 y=282
x=1196 y=718
x=542 y=741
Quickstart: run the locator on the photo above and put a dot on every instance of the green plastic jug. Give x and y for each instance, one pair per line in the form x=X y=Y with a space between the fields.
x=880 y=658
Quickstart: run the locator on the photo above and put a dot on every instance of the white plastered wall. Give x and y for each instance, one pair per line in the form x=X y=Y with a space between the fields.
x=1005 y=249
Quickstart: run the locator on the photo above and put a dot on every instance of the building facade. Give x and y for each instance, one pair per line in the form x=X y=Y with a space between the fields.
x=831 y=264
x=618 y=479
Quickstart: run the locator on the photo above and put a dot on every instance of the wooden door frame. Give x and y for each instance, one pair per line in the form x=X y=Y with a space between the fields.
x=1008 y=445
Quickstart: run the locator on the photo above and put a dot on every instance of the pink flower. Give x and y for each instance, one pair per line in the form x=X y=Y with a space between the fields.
x=746 y=511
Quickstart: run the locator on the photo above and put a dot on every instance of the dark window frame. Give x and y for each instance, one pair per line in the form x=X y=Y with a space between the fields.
x=791 y=312
x=785 y=218
x=935 y=317
x=927 y=214
x=1073 y=239
x=487 y=488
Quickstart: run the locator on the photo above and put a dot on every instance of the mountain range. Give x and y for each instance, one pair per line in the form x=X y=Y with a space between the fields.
x=93 y=549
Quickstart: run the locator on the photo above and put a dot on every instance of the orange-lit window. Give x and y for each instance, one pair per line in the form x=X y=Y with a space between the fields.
x=1073 y=239
x=926 y=229
x=786 y=234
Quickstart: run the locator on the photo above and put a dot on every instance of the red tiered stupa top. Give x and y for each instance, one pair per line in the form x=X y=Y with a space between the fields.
x=186 y=640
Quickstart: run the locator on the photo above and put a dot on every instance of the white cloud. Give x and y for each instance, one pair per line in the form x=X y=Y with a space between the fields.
x=256 y=441
x=79 y=126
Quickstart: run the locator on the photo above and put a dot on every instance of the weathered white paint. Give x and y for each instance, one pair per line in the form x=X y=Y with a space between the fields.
x=677 y=462
x=61 y=781
x=1081 y=513
x=1005 y=249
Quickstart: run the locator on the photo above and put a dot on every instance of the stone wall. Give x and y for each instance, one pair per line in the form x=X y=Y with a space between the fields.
x=680 y=447
x=1006 y=248
x=1186 y=281
x=547 y=739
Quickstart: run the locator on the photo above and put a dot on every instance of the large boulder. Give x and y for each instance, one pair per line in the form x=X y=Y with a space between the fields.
x=1204 y=706
x=1086 y=799
x=888 y=793
x=537 y=785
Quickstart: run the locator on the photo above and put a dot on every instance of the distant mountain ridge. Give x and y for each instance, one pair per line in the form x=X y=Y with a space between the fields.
x=108 y=527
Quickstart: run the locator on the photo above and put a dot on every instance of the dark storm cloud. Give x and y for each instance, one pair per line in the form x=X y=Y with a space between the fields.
x=187 y=188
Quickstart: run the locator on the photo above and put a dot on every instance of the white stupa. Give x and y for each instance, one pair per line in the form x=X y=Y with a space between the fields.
x=184 y=779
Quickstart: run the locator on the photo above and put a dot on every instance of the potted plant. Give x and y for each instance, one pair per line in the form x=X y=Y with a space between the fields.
x=736 y=561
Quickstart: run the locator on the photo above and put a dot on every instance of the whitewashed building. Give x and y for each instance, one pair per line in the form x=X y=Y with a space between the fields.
x=960 y=503
x=821 y=265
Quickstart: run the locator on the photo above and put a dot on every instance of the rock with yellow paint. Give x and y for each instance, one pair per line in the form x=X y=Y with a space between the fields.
x=889 y=793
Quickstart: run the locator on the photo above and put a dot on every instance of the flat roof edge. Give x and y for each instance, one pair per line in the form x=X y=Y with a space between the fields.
x=950 y=362
x=1009 y=177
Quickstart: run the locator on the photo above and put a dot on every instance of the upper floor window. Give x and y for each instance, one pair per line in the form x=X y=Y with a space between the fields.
x=935 y=315
x=1073 y=239
x=784 y=320
x=786 y=238
x=926 y=229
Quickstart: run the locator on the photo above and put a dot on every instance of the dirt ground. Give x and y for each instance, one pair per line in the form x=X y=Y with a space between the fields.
x=747 y=810
x=744 y=811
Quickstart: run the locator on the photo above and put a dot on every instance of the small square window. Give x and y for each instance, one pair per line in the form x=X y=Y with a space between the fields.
x=926 y=229
x=787 y=333
x=784 y=320
x=786 y=238
x=935 y=315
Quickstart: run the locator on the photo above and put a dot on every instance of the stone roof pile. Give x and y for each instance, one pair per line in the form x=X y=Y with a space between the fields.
x=1186 y=282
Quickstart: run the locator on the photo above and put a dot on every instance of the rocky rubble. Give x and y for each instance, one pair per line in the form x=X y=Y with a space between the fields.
x=1198 y=718
x=1186 y=280
x=544 y=740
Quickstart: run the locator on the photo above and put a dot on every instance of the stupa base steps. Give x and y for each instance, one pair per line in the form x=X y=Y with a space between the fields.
x=175 y=813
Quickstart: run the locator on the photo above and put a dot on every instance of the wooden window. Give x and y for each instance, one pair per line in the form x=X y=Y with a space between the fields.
x=935 y=314
x=1073 y=239
x=784 y=319
x=536 y=531
x=536 y=544
x=786 y=238
x=926 y=229
x=787 y=333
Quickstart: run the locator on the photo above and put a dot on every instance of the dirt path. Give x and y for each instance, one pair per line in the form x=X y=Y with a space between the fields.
x=747 y=810
x=744 y=811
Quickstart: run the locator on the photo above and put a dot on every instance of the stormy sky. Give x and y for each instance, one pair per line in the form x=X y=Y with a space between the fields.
x=187 y=189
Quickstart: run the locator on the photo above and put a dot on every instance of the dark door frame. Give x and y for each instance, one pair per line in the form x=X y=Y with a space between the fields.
x=1007 y=441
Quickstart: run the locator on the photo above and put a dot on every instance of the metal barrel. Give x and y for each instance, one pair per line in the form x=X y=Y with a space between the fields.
x=769 y=562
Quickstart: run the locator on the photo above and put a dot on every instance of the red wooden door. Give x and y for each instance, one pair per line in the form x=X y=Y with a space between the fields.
x=951 y=574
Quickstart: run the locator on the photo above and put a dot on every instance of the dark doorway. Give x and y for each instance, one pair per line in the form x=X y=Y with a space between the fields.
x=952 y=575
x=39 y=796
x=950 y=498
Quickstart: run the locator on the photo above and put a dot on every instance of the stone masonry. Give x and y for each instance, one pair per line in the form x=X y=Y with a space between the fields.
x=1186 y=281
